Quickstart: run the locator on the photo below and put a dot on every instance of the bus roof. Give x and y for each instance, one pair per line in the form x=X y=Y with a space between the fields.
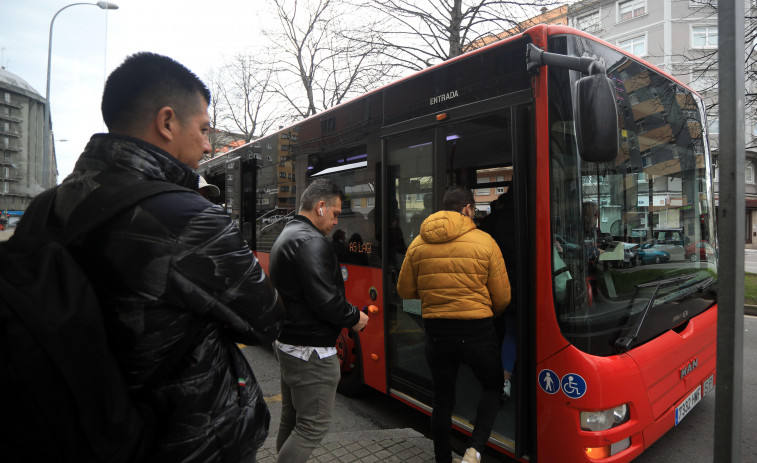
x=537 y=30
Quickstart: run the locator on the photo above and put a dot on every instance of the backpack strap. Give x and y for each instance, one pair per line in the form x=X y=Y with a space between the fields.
x=98 y=207
x=103 y=204
x=35 y=219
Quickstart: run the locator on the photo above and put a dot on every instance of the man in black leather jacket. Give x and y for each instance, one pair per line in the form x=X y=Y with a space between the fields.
x=305 y=270
x=172 y=266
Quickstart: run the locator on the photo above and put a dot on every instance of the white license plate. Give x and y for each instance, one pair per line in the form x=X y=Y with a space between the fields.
x=688 y=404
x=708 y=386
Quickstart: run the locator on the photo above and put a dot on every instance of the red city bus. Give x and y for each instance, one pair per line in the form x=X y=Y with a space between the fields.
x=589 y=144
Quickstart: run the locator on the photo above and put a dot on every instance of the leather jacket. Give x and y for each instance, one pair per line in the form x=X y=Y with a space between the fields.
x=172 y=266
x=305 y=270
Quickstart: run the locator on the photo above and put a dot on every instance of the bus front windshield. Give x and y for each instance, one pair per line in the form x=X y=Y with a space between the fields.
x=634 y=250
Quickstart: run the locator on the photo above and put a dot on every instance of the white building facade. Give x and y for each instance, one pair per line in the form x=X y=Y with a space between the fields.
x=22 y=114
x=680 y=37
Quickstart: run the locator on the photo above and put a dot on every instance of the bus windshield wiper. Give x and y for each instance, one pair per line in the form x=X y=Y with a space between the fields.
x=622 y=344
x=693 y=290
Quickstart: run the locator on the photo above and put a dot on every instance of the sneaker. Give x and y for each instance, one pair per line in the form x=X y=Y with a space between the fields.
x=471 y=456
x=506 y=389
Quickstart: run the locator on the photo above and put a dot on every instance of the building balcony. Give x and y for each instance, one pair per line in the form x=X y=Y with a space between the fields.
x=8 y=117
x=12 y=105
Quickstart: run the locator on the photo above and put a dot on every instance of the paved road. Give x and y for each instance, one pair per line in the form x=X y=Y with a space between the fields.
x=750 y=260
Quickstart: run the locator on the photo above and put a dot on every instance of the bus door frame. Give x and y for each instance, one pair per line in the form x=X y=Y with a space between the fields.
x=521 y=105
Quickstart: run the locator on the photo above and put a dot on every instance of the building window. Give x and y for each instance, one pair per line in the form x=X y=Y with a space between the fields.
x=631 y=9
x=646 y=160
x=704 y=37
x=749 y=174
x=7 y=97
x=589 y=23
x=704 y=80
x=748 y=223
x=483 y=191
x=282 y=175
x=5 y=187
x=636 y=45
x=714 y=125
x=499 y=190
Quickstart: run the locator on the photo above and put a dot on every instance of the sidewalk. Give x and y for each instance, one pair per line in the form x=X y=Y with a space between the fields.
x=390 y=445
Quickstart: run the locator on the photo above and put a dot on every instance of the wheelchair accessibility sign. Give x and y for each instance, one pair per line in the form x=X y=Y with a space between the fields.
x=572 y=384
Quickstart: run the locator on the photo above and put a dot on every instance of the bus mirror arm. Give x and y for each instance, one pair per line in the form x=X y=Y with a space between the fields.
x=536 y=58
x=596 y=113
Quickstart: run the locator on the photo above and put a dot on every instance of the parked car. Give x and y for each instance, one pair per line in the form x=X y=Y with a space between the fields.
x=647 y=254
x=701 y=250
x=619 y=255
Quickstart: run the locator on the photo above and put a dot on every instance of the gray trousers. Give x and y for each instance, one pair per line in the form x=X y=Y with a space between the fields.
x=308 y=390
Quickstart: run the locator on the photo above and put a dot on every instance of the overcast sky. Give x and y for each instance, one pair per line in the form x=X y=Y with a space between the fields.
x=88 y=43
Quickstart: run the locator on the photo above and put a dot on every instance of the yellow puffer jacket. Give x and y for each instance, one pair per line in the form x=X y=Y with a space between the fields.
x=456 y=270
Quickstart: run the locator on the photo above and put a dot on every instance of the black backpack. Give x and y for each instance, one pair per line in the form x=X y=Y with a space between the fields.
x=64 y=396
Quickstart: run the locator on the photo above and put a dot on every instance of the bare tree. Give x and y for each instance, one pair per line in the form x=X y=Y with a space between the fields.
x=247 y=96
x=215 y=113
x=420 y=33
x=322 y=60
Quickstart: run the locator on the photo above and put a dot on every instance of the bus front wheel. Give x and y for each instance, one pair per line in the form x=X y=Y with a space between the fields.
x=350 y=363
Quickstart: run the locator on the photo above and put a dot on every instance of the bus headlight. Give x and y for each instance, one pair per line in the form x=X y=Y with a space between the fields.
x=605 y=419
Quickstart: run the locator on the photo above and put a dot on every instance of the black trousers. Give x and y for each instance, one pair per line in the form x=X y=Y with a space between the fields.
x=445 y=353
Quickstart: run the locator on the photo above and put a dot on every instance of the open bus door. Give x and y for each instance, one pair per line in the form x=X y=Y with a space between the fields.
x=483 y=153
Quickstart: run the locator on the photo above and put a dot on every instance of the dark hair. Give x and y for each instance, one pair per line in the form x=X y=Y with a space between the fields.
x=456 y=198
x=320 y=190
x=145 y=82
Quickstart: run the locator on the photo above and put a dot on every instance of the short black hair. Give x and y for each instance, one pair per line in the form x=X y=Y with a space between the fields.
x=456 y=198
x=321 y=189
x=145 y=82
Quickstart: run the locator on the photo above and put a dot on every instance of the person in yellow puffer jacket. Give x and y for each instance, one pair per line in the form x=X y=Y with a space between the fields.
x=458 y=273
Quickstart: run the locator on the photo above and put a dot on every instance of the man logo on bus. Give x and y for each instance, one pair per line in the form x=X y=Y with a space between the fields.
x=686 y=369
x=573 y=385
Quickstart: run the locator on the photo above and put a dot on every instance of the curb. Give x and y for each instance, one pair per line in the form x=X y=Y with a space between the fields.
x=750 y=310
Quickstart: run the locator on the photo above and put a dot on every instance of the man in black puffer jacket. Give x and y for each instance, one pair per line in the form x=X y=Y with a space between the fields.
x=172 y=267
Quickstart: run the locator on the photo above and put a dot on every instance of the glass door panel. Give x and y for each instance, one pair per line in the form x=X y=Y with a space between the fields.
x=409 y=196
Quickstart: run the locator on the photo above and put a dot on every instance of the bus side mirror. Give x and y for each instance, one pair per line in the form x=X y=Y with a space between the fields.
x=596 y=118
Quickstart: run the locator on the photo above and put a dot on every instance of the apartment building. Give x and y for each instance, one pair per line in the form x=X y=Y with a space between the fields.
x=22 y=114
x=680 y=37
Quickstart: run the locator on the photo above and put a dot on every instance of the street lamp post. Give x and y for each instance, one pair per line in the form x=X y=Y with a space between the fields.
x=46 y=140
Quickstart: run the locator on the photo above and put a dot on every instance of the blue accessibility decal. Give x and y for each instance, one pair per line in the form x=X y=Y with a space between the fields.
x=573 y=385
x=345 y=273
x=548 y=381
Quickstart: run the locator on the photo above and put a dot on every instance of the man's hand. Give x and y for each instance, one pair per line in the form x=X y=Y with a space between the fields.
x=362 y=322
